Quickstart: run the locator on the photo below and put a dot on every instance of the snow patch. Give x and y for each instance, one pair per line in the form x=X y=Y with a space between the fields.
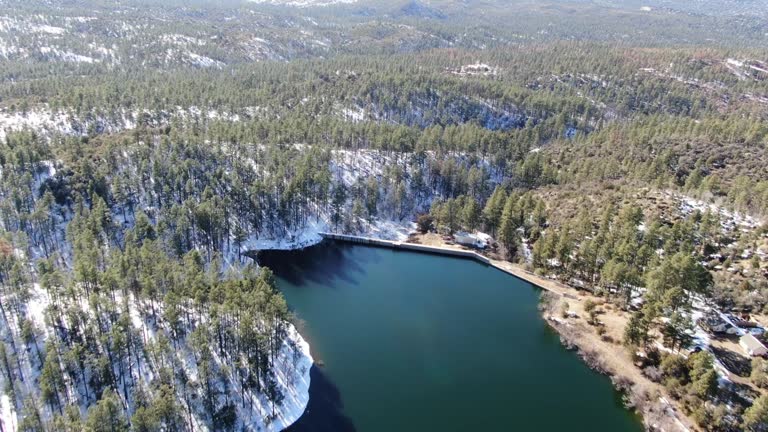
x=67 y=56
x=50 y=29
x=294 y=378
x=355 y=114
x=203 y=61
x=181 y=40
x=310 y=234
x=8 y=420
x=478 y=68
x=36 y=307
x=729 y=220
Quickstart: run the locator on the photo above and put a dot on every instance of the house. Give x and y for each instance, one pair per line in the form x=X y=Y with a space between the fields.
x=471 y=240
x=753 y=346
x=715 y=324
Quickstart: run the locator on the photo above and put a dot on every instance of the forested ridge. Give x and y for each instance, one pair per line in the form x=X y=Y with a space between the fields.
x=117 y=317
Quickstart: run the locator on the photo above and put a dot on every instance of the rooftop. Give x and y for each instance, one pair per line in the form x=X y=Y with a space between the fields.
x=751 y=342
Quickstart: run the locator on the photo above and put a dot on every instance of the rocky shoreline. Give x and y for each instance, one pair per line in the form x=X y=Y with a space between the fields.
x=640 y=394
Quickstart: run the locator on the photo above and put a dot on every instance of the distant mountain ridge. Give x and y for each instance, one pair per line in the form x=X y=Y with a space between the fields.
x=302 y=3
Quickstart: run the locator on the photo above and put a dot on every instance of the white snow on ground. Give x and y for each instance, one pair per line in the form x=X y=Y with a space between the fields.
x=475 y=69
x=294 y=378
x=7 y=24
x=354 y=114
x=8 y=420
x=50 y=29
x=181 y=40
x=745 y=69
x=729 y=220
x=40 y=120
x=203 y=61
x=527 y=251
x=66 y=56
x=43 y=120
x=7 y=49
x=389 y=230
x=349 y=166
x=80 y=19
x=701 y=340
x=258 y=49
x=310 y=235
x=174 y=55
x=292 y=370
x=36 y=307
x=27 y=356
x=105 y=53
x=23 y=25
x=291 y=367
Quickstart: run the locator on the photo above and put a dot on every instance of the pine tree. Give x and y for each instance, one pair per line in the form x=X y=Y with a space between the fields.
x=493 y=210
x=471 y=214
x=756 y=416
x=636 y=331
x=107 y=415
x=508 y=236
x=678 y=331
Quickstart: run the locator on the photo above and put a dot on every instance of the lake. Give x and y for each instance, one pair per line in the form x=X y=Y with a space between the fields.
x=416 y=342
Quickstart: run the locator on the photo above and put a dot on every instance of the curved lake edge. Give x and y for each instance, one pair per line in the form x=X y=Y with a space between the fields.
x=569 y=340
x=552 y=323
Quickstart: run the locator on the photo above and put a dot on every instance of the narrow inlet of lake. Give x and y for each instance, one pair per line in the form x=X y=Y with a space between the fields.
x=416 y=342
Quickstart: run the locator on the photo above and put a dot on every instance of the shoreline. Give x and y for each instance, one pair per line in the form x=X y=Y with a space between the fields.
x=649 y=400
x=296 y=382
x=602 y=354
x=645 y=398
x=447 y=250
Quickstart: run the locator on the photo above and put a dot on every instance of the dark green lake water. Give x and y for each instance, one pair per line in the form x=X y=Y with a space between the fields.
x=417 y=342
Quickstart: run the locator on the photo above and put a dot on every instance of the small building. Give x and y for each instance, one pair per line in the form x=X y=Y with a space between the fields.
x=467 y=239
x=752 y=346
x=715 y=324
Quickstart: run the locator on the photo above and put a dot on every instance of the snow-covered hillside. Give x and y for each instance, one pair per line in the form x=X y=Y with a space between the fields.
x=43 y=120
x=32 y=351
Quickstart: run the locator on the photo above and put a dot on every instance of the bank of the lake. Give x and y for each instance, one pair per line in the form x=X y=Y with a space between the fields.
x=414 y=341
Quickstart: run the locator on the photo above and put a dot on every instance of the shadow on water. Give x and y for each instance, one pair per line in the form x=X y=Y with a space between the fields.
x=321 y=264
x=324 y=412
x=361 y=275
